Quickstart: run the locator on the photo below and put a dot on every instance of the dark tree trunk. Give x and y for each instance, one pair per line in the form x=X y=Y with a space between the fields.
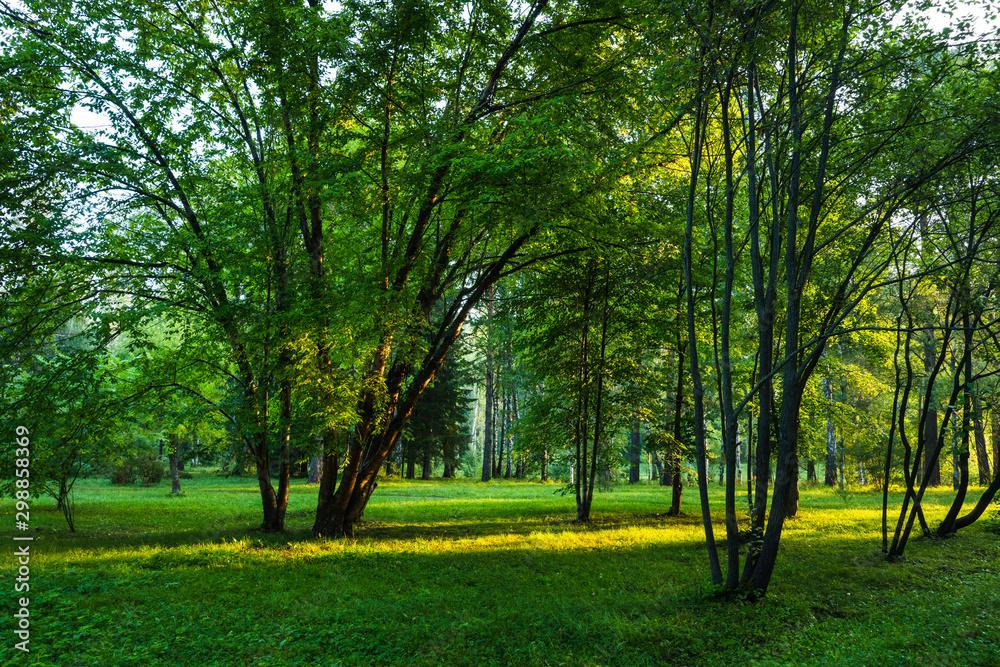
x=329 y=468
x=932 y=448
x=811 y=471
x=582 y=479
x=411 y=462
x=175 y=478
x=948 y=524
x=982 y=454
x=634 y=452
x=673 y=469
x=830 y=478
x=697 y=386
x=995 y=442
x=793 y=492
x=425 y=472
x=722 y=464
x=508 y=443
x=448 y=454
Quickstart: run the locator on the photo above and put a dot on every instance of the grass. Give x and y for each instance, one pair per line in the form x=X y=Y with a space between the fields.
x=462 y=573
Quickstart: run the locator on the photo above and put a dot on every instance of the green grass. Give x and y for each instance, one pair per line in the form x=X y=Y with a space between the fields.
x=461 y=573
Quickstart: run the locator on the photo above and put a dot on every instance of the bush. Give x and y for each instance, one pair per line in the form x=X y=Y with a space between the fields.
x=149 y=468
x=123 y=473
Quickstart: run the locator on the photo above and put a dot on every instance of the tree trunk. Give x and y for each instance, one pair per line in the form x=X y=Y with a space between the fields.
x=697 y=386
x=962 y=483
x=722 y=465
x=995 y=442
x=425 y=472
x=793 y=493
x=634 y=453
x=508 y=444
x=739 y=459
x=582 y=416
x=411 y=461
x=448 y=453
x=673 y=468
x=932 y=448
x=315 y=469
x=830 y=479
x=175 y=477
x=982 y=454
x=488 y=414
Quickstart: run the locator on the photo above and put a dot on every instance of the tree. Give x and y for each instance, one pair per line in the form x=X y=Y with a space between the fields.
x=821 y=218
x=77 y=403
x=467 y=127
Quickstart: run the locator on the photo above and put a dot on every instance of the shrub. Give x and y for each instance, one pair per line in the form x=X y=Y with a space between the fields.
x=123 y=472
x=149 y=468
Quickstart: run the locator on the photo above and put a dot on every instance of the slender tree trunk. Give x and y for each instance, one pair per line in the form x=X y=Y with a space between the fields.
x=448 y=453
x=982 y=454
x=411 y=462
x=830 y=479
x=502 y=428
x=634 y=453
x=506 y=435
x=697 y=386
x=995 y=442
x=948 y=524
x=793 y=494
x=739 y=459
x=932 y=448
x=656 y=470
x=583 y=418
x=673 y=469
x=488 y=414
x=175 y=477
x=425 y=472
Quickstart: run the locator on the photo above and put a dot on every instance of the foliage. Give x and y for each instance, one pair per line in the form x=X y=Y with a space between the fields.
x=123 y=472
x=149 y=469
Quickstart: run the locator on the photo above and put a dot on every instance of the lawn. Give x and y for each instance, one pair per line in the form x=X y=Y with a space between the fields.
x=464 y=573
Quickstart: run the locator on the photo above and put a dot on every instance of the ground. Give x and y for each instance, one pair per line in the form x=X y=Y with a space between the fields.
x=464 y=573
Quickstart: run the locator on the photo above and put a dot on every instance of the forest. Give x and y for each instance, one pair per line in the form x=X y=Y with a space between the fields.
x=744 y=249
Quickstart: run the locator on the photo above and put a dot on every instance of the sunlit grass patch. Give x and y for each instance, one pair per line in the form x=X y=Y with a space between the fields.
x=461 y=573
